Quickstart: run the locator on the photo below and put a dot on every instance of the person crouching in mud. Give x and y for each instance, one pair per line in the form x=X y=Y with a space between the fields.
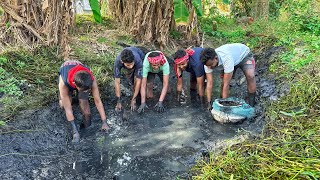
x=74 y=76
x=130 y=59
x=189 y=60
x=154 y=63
x=231 y=57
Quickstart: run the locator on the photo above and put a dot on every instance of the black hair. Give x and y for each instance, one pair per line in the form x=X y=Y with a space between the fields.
x=179 y=54
x=207 y=54
x=83 y=80
x=154 y=54
x=127 y=56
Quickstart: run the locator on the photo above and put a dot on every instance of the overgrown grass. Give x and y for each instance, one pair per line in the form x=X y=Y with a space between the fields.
x=29 y=79
x=289 y=147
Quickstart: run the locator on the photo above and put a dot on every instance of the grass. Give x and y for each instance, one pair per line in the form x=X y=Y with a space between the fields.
x=29 y=78
x=289 y=147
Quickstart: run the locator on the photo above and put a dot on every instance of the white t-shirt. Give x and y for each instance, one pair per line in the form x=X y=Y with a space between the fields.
x=230 y=55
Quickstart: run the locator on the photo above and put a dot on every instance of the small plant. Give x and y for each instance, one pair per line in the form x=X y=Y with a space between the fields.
x=2 y=123
x=175 y=34
x=102 y=40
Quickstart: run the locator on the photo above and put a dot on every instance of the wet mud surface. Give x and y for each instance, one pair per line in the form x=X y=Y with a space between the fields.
x=149 y=146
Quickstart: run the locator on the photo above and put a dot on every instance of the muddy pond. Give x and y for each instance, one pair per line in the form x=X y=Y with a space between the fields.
x=148 y=146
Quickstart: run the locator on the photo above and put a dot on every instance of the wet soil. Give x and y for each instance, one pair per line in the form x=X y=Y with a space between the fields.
x=37 y=144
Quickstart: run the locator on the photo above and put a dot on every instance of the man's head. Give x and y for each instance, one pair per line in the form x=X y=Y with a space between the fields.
x=83 y=80
x=181 y=59
x=209 y=58
x=127 y=58
x=155 y=59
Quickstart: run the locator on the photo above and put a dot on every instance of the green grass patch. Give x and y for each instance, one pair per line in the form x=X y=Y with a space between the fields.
x=289 y=147
x=28 y=79
x=1 y=11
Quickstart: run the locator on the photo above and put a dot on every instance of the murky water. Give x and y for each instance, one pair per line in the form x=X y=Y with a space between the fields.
x=149 y=146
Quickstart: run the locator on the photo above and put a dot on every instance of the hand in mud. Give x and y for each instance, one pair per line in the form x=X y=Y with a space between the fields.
x=142 y=107
x=118 y=108
x=76 y=137
x=133 y=105
x=159 y=106
x=105 y=126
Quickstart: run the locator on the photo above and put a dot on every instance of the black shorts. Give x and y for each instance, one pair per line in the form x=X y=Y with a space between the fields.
x=244 y=64
x=151 y=76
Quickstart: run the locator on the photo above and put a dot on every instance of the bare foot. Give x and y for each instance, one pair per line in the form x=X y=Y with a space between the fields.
x=105 y=126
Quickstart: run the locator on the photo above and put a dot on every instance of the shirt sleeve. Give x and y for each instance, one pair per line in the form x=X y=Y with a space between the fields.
x=166 y=68
x=228 y=64
x=138 y=73
x=207 y=70
x=117 y=67
x=199 y=70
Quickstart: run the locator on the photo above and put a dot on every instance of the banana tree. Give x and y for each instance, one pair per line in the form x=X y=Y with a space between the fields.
x=150 y=21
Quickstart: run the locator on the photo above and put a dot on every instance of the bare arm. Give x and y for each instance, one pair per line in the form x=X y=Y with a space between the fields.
x=143 y=90
x=209 y=86
x=97 y=100
x=117 y=87
x=200 y=81
x=66 y=102
x=136 y=88
x=226 y=81
x=165 y=87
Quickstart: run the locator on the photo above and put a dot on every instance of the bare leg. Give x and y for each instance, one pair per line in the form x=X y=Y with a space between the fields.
x=85 y=109
x=251 y=82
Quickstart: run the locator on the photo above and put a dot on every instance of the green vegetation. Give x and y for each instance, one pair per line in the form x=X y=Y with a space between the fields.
x=289 y=147
x=28 y=79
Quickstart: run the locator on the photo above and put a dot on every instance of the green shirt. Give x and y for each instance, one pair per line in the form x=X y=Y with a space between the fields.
x=147 y=67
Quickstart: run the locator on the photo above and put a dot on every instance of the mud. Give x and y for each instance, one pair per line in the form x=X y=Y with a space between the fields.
x=229 y=103
x=37 y=144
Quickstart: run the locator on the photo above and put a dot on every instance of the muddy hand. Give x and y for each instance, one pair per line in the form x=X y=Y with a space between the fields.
x=159 y=106
x=142 y=107
x=76 y=137
x=75 y=133
x=105 y=126
x=118 y=108
x=133 y=105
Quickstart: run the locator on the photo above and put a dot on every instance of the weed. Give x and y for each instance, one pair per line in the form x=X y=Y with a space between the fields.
x=3 y=123
x=102 y=40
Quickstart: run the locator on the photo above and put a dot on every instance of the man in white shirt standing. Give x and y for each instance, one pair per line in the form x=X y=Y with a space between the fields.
x=231 y=57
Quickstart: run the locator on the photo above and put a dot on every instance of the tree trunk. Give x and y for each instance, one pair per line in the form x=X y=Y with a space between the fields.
x=33 y=22
x=149 y=21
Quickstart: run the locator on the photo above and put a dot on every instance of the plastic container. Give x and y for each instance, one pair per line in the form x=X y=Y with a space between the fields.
x=231 y=110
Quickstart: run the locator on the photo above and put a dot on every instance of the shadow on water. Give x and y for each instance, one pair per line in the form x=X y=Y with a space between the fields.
x=149 y=146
